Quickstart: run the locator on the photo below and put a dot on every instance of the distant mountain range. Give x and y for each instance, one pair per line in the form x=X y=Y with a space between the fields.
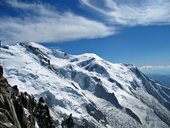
x=99 y=94
x=163 y=79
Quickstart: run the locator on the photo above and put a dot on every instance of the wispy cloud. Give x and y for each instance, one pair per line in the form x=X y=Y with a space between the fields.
x=132 y=12
x=45 y=24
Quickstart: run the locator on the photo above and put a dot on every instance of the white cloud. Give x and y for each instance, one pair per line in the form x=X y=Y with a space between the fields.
x=155 y=69
x=42 y=23
x=37 y=8
x=47 y=25
x=132 y=12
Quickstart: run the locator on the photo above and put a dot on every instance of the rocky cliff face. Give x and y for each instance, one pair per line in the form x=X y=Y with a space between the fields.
x=8 y=117
x=20 y=110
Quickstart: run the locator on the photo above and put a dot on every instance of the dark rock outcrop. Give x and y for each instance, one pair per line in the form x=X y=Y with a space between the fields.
x=8 y=117
x=18 y=109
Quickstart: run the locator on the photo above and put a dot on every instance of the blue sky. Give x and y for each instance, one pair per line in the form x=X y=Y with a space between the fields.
x=130 y=31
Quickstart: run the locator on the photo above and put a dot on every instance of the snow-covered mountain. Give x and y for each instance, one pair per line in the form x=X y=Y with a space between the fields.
x=163 y=79
x=158 y=73
x=98 y=93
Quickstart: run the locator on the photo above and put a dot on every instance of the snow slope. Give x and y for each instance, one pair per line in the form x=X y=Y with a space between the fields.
x=98 y=93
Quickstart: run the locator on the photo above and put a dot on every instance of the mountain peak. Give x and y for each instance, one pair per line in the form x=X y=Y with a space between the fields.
x=91 y=55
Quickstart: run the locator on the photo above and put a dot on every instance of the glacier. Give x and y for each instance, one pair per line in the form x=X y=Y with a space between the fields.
x=98 y=93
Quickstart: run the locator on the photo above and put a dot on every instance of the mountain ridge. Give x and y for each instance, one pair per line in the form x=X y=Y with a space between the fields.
x=97 y=92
